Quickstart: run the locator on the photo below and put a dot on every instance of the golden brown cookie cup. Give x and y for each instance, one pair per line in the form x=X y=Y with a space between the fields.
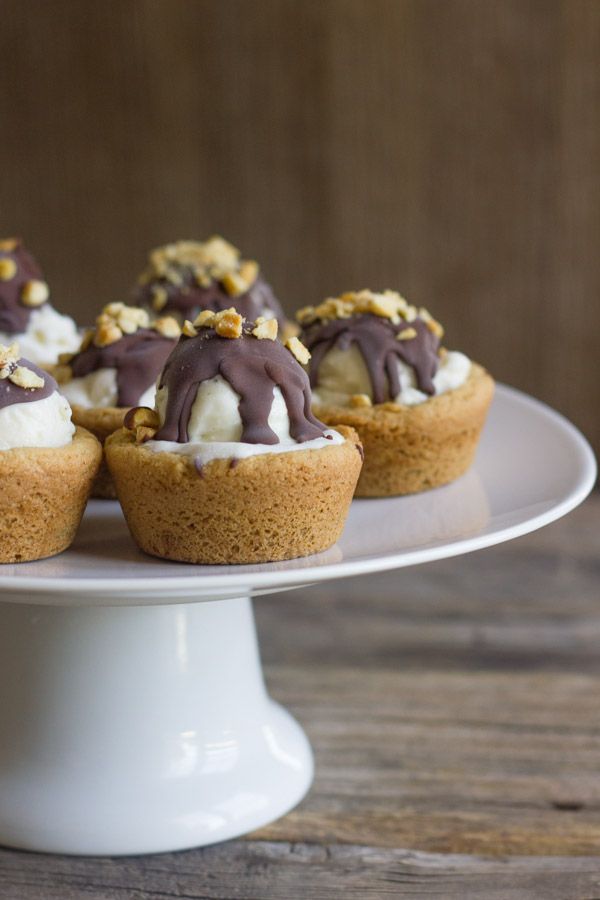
x=415 y=448
x=43 y=496
x=267 y=507
x=101 y=421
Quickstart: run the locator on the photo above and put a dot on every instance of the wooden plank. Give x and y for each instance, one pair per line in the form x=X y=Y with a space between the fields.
x=267 y=871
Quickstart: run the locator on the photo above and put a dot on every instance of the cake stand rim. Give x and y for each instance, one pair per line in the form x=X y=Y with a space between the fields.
x=198 y=587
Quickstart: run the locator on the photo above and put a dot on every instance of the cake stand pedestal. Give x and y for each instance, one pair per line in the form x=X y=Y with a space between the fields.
x=139 y=729
x=133 y=712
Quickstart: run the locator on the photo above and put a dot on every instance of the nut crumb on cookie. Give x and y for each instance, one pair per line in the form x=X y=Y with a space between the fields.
x=143 y=421
x=265 y=329
x=212 y=260
x=297 y=348
x=20 y=375
x=387 y=305
x=8 y=269
x=34 y=293
x=407 y=334
x=228 y=323
x=25 y=378
x=168 y=326
x=358 y=400
x=188 y=329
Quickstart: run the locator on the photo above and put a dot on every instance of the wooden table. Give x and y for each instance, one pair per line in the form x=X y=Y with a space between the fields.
x=455 y=714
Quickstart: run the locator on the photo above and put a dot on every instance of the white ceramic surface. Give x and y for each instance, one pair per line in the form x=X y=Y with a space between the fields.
x=134 y=722
x=139 y=730
x=531 y=468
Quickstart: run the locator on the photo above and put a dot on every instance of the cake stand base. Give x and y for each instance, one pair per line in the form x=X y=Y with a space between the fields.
x=139 y=729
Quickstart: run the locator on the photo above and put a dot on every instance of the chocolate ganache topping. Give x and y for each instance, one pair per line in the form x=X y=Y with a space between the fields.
x=20 y=380
x=188 y=276
x=248 y=356
x=22 y=287
x=124 y=340
x=385 y=328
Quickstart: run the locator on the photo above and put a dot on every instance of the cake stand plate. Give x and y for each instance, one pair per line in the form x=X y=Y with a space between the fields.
x=134 y=718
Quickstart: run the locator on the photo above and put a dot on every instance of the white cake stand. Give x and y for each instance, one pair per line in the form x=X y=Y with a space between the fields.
x=134 y=719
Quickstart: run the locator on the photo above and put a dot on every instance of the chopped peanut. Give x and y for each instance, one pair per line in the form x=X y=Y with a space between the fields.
x=360 y=400
x=297 y=348
x=8 y=268
x=25 y=378
x=265 y=329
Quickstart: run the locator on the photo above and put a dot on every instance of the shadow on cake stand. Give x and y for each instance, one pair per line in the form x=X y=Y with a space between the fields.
x=134 y=715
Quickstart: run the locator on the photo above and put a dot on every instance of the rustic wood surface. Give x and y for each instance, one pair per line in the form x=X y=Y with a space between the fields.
x=446 y=147
x=454 y=710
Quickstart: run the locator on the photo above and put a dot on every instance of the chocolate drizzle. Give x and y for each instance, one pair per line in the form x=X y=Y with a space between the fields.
x=253 y=368
x=376 y=338
x=11 y=393
x=138 y=359
x=188 y=298
x=14 y=314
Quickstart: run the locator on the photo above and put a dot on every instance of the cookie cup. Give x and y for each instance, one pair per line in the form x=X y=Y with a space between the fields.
x=414 y=448
x=101 y=421
x=43 y=496
x=264 y=508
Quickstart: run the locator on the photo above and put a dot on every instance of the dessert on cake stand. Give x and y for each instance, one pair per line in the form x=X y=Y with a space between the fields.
x=133 y=712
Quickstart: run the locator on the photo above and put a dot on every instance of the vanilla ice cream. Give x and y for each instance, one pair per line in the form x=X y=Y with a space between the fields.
x=215 y=426
x=343 y=374
x=48 y=334
x=32 y=411
x=99 y=389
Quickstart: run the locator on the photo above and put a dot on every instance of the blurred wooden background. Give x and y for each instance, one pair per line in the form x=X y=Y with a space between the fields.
x=448 y=148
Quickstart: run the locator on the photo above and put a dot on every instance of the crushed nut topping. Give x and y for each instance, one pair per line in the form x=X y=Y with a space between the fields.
x=115 y=320
x=141 y=415
x=143 y=421
x=204 y=319
x=360 y=400
x=34 y=293
x=407 y=334
x=297 y=349
x=188 y=329
x=8 y=356
x=228 y=323
x=212 y=260
x=389 y=305
x=25 y=378
x=265 y=329
x=234 y=284
x=159 y=298
x=433 y=325
x=19 y=375
x=8 y=269
x=249 y=270
x=107 y=334
x=168 y=326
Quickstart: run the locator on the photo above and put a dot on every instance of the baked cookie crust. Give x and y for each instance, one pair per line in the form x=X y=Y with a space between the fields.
x=101 y=421
x=414 y=448
x=44 y=493
x=263 y=508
